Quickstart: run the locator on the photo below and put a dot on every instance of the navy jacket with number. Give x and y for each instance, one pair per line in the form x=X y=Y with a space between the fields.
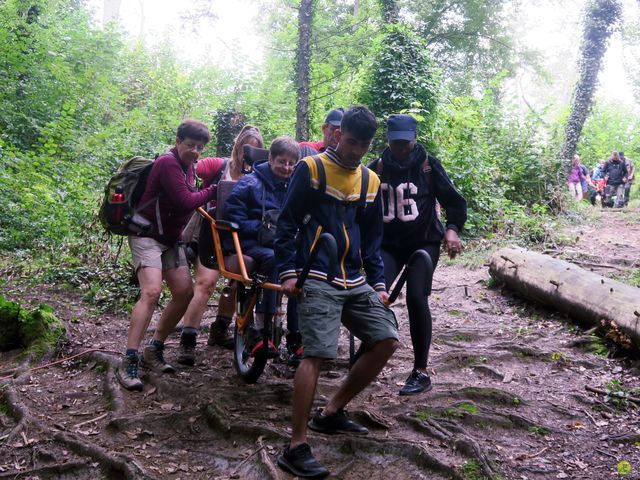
x=409 y=194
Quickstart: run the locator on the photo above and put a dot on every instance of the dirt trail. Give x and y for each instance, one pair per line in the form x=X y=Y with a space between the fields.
x=509 y=398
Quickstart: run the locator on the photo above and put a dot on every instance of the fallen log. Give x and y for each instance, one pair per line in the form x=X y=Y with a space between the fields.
x=585 y=296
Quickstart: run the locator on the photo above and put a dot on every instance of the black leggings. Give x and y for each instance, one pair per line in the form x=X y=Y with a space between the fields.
x=418 y=278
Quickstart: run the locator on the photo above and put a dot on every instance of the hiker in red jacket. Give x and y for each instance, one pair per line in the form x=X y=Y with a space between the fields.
x=159 y=255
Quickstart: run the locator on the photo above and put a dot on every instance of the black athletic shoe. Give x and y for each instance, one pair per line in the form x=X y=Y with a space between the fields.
x=417 y=382
x=335 y=423
x=299 y=461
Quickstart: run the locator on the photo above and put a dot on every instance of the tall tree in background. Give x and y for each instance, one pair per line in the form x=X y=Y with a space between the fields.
x=602 y=17
x=390 y=11
x=303 y=61
x=470 y=40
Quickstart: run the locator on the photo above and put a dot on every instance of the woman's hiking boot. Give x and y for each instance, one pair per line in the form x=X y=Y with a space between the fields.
x=127 y=373
x=153 y=358
x=218 y=333
x=187 y=348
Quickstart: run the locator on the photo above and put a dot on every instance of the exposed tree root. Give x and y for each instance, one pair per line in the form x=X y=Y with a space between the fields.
x=267 y=464
x=113 y=392
x=113 y=464
x=116 y=464
x=20 y=413
x=455 y=436
x=218 y=420
x=487 y=370
x=625 y=438
x=413 y=452
x=48 y=471
x=487 y=395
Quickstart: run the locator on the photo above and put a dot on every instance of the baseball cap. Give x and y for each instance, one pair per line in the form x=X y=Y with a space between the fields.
x=334 y=117
x=401 y=127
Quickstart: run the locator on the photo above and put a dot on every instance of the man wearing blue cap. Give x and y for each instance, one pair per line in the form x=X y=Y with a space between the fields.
x=412 y=183
x=329 y=127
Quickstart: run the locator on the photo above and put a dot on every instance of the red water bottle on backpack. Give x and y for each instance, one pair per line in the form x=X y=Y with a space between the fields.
x=117 y=204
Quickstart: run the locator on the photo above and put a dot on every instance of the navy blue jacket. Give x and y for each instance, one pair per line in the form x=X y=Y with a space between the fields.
x=244 y=204
x=358 y=231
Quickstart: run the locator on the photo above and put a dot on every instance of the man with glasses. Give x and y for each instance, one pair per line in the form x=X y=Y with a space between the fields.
x=168 y=201
x=331 y=124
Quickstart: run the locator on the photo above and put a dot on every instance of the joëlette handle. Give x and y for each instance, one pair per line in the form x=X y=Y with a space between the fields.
x=418 y=254
x=327 y=241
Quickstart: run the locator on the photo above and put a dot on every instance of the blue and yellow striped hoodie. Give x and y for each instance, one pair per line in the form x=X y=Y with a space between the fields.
x=358 y=231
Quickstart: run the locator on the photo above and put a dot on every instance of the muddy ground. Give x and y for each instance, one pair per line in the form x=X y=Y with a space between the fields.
x=510 y=396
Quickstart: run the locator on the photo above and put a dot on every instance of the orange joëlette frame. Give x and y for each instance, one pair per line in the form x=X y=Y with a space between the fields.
x=243 y=276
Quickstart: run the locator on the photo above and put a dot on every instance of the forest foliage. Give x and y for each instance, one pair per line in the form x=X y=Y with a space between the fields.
x=76 y=100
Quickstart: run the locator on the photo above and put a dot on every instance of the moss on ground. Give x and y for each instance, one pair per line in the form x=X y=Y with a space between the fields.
x=38 y=330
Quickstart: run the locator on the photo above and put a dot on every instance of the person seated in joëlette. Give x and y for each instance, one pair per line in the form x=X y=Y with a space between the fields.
x=254 y=199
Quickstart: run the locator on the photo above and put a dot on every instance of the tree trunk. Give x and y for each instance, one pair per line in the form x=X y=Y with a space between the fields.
x=390 y=11
x=601 y=18
x=228 y=127
x=586 y=296
x=305 y=15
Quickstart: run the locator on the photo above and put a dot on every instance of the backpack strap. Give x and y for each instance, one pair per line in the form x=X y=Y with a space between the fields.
x=378 y=166
x=322 y=176
x=364 y=186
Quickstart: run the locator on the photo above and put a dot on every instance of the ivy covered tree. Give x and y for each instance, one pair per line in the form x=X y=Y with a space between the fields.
x=401 y=78
x=601 y=18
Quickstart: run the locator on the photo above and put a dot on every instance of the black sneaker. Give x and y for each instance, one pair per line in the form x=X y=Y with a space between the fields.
x=417 y=382
x=187 y=349
x=300 y=462
x=335 y=423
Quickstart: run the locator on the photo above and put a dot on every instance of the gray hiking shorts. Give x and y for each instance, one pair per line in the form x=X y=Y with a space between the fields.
x=322 y=308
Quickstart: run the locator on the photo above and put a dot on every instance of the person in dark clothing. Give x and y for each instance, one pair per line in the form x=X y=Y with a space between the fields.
x=159 y=256
x=412 y=183
x=254 y=194
x=615 y=173
x=631 y=173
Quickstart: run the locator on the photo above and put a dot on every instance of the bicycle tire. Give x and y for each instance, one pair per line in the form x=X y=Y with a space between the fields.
x=248 y=367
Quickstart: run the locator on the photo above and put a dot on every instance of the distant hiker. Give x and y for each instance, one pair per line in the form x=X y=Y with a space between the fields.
x=411 y=182
x=207 y=278
x=597 y=178
x=615 y=173
x=631 y=175
x=334 y=193
x=159 y=255
x=576 y=177
x=329 y=127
